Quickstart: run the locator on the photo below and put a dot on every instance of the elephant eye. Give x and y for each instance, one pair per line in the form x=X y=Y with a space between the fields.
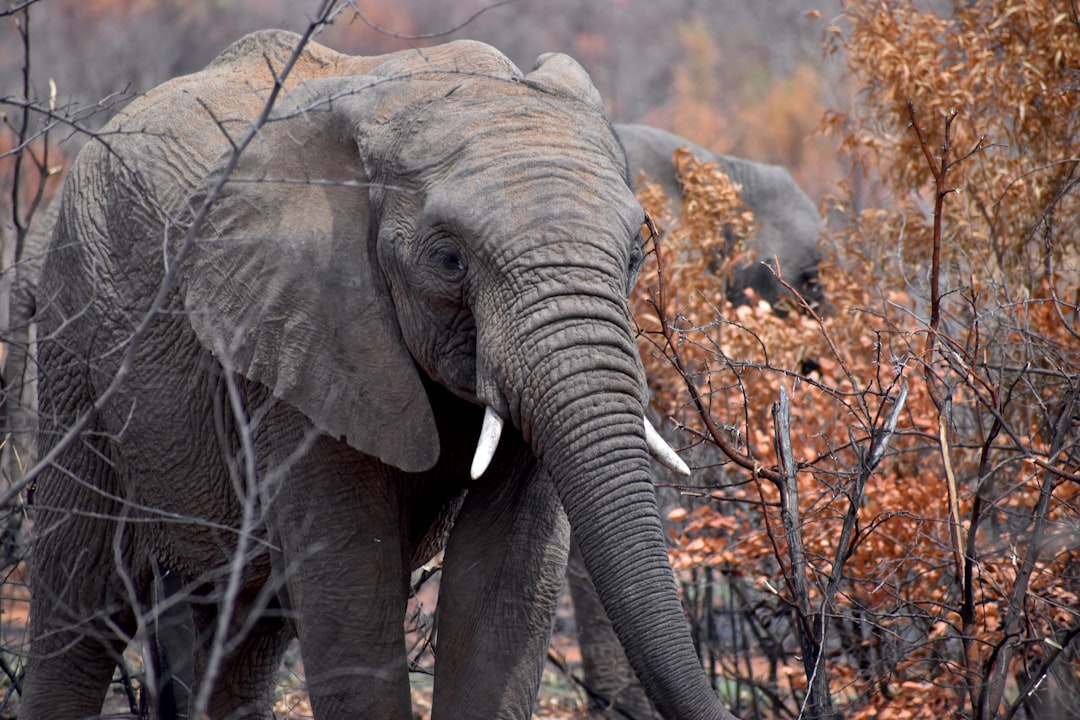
x=633 y=265
x=637 y=257
x=450 y=260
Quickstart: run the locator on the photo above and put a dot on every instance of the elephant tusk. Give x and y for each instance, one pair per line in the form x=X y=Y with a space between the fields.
x=663 y=452
x=488 y=443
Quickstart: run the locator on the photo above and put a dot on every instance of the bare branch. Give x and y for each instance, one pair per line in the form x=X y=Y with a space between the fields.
x=423 y=36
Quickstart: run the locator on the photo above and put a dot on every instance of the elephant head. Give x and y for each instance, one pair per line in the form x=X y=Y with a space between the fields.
x=788 y=226
x=424 y=218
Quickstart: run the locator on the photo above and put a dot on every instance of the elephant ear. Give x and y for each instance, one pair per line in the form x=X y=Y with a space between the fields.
x=283 y=286
x=559 y=73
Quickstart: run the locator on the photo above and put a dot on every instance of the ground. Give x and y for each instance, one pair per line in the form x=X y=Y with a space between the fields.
x=560 y=698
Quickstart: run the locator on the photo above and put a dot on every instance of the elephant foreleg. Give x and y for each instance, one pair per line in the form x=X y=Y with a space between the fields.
x=344 y=560
x=502 y=576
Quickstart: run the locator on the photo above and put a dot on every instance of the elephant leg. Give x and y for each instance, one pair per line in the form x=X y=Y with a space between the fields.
x=243 y=681
x=342 y=553
x=613 y=686
x=502 y=576
x=68 y=673
x=82 y=577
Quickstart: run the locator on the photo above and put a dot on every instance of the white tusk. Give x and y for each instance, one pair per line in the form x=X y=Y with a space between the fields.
x=663 y=452
x=488 y=443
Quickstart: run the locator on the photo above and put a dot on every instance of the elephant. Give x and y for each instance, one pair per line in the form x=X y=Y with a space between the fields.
x=787 y=226
x=276 y=313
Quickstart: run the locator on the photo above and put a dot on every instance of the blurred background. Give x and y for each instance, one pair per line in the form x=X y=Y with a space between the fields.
x=745 y=78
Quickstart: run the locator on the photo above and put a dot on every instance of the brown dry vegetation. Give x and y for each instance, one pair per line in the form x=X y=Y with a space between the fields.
x=921 y=551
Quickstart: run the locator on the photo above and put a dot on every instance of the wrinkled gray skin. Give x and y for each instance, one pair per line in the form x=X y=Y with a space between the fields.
x=787 y=226
x=18 y=286
x=379 y=268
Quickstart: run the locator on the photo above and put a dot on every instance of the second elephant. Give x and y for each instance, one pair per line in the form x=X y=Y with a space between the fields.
x=788 y=225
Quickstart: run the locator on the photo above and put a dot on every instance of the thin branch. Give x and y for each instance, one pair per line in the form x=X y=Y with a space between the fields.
x=997 y=667
x=594 y=695
x=423 y=36
x=18 y=8
x=17 y=218
x=811 y=639
x=939 y=170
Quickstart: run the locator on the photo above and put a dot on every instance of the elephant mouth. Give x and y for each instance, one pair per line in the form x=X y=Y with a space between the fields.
x=491 y=431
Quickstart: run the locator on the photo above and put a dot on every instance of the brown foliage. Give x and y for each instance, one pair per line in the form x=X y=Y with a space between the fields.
x=947 y=571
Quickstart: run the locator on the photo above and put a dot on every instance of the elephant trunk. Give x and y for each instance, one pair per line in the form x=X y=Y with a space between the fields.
x=611 y=505
x=581 y=407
